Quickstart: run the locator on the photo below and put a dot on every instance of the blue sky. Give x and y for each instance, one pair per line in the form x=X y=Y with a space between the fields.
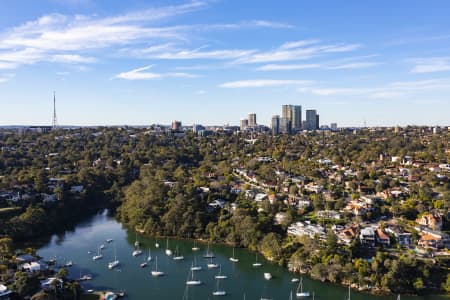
x=142 y=62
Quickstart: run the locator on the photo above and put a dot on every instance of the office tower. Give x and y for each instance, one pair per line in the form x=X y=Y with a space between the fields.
x=244 y=124
x=333 y=126
x=176 y=125
x=311 y=119
x=197 y=127
x=317 y=122
x=251 y=120
x=275 y=124
x=285 y=125
x=294 y=114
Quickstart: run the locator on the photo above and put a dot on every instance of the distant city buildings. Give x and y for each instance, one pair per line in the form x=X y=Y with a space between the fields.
x=285 y=125
x=312 y=120
x=251 y=120
x=275 y=124
x=294 y=114
x=243 y=124
x=333 y=126
x=176 y=125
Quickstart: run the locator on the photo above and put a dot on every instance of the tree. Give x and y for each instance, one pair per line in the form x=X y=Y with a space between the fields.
x=6 y=248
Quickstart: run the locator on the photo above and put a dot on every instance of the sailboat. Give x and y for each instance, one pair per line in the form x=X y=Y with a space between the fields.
x=137 y=252
x=177 y=255
x=156 y=244
x=168 y=251
x=301 y=293
x=211 y=264
x=194 y=266
x=219 y=275
x=234 y=259
x=195 y=248
x=149 y=257
x=208 y=254
x=267 y=276
x=219 y=292
x=256 y=263
x=115 y=262
x=398 y=297
x=144 y=263
x=155 y=272
x=98 y=256
x=136 y=243
x=193 y=281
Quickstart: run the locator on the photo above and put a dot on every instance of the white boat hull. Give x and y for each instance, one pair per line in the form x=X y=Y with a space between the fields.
x=157 y=273
x=113 y=264
x=219 y=293
x=193 y=282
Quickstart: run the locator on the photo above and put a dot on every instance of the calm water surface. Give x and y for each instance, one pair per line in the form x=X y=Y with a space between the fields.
x=243 y=278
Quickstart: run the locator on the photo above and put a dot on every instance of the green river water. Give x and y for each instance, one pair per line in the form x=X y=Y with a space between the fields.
x=244 y=281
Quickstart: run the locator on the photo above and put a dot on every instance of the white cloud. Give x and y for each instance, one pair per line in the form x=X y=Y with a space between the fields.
x=354 y=65
x=255 y=83
x=56 y=37
x=192 y=54
x=72 y=58
x=297 y=51
x=7 y=65
x=276 y=67
x=392 y=90
x=297 y=44
x=331 y=65
x=6 y=77
x=431 y=65
x=140 y=74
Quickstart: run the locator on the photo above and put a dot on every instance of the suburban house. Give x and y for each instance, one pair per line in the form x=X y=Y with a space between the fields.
x=383 y=238
x=304 y=228
x=403 y=238
x=367 y=237
x=431 y=220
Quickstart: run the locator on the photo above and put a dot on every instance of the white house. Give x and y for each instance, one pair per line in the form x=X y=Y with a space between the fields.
x=32 y=267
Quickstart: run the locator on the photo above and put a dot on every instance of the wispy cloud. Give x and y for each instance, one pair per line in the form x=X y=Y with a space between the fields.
x=331 y=65
x=6 y=77
x=354 y=65
x=61 y=38
x=431 y=64
x=299 y=50
x=244 y=25
x=256 y=83
x=72 y=58
x=277 y=67
x=391 y=90
x=143 y=74
x=166 y=52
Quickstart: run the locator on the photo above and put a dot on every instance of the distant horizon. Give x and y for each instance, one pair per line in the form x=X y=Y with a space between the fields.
x=211 y=62
x=206 y=125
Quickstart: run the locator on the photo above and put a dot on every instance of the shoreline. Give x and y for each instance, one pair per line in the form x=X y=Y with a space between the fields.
x=353 y=286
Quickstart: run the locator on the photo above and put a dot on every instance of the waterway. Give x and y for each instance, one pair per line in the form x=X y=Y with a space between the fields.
x=244 y=281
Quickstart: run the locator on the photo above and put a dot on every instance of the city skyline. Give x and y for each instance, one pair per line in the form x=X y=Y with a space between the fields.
x=211 y=62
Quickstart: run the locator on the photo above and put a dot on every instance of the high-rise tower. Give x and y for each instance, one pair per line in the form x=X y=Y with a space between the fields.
x=294 y=114
x=55 y=120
